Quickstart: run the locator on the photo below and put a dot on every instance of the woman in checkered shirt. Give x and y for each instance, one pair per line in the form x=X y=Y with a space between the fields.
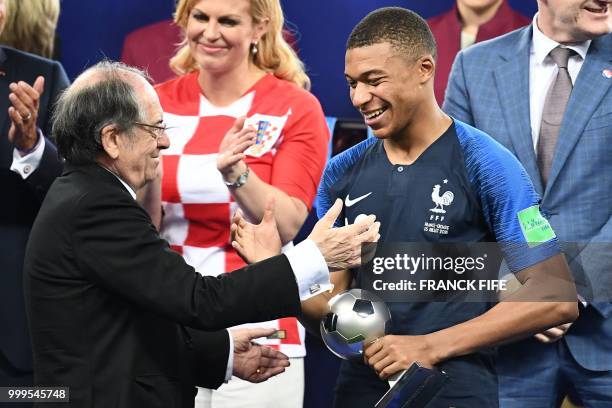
x=242 y=127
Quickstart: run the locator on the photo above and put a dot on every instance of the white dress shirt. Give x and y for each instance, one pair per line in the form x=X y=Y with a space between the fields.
x=27 y=164
x=543 y=70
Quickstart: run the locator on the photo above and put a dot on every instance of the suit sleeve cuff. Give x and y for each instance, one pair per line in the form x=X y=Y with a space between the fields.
x=310 y=269
x=230 y=358
x=27 y=164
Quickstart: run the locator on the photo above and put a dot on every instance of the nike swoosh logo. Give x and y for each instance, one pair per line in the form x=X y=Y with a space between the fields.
x=349 y=203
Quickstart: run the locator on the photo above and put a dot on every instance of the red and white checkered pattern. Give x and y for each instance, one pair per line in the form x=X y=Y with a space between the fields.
x=197 y=204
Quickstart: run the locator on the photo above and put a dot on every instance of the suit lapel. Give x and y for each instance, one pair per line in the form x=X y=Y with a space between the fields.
x=588 y=91
x=512 y=80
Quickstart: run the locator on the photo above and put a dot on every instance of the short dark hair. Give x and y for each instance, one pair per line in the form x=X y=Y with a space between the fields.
x=81 y=114
x=405 y=30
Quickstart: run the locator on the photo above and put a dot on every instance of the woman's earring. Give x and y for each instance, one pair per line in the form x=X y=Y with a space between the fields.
x=254 y=48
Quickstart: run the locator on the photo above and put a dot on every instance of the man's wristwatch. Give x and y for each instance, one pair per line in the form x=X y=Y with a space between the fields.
x=240 y=181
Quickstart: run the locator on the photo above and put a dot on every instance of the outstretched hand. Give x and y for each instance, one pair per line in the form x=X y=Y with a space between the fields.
x=341 y=247
x=255 y=243
x=254 y=362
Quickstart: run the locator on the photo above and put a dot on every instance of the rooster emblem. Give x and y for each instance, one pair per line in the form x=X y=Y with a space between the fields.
x=441 y=200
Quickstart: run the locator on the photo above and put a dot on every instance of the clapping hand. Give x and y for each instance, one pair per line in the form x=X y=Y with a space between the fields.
x=255 y=243
x=254 y=362
x=24 y=113
x=230 y=161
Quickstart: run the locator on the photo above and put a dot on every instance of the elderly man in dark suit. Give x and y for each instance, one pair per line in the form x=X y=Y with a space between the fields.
x=28 y=164
x=115 y=314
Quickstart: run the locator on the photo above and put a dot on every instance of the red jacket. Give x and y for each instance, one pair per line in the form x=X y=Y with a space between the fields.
x=446 y=29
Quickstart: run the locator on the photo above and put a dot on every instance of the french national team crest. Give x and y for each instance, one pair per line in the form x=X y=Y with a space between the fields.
x=269 y=129
x=441 y=198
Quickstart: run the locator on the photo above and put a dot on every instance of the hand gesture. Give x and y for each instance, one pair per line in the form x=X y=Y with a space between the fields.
x=253 y=362
x=230 y=161
x=341 y=247
x=23 y=113
x=389 y=355
x=255 y=243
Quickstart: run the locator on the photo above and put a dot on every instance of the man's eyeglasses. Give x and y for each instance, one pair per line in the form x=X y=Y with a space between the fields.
x=156 y=131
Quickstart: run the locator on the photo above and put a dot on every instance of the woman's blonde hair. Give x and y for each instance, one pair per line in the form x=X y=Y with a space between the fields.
x=30 y=25
x=274 y=54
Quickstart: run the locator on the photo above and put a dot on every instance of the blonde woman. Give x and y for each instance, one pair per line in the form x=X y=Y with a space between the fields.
x=30 y=26
x=242 y=127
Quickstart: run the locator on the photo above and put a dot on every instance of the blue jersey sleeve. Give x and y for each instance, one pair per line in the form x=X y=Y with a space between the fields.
x=335 y=172
x=509 y=202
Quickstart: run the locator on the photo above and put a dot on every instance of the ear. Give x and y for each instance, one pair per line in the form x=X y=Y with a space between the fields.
x=260 y=29
x=109 y=137
x=427 y=66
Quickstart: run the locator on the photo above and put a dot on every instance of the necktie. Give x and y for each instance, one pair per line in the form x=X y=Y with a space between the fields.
x=552 y=114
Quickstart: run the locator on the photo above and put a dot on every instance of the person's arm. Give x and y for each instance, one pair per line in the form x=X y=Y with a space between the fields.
x=120 y=250
x=234 y=354
x=317 y=307
x=457 y=98
x=517 y=317
x=35 y=158
x=296 y=169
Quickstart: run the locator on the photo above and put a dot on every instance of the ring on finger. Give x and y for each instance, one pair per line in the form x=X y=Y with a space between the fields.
x=26 y=117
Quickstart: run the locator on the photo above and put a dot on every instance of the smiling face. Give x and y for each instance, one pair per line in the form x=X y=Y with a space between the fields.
x=567 y=21
x=220 y=34
x=137 y=151
x=385 y=87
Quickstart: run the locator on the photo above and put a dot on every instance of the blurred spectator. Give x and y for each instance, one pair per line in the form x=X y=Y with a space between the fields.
x=468 y=22
x=235 y=63
x=151 y=47
x=30 y=26
x=28 y=164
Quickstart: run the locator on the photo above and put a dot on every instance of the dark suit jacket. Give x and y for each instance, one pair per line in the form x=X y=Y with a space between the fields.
x=22 y=198
x=109 y=301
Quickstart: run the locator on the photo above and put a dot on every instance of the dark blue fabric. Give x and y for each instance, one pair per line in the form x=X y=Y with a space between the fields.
x=22 y=198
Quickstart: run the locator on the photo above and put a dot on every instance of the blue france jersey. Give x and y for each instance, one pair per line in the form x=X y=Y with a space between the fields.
x=464 y=188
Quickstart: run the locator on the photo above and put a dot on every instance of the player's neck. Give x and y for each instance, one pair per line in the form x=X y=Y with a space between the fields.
x=415 y=138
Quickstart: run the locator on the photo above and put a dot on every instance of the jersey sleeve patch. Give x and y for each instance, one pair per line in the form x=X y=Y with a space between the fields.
x=534 y=226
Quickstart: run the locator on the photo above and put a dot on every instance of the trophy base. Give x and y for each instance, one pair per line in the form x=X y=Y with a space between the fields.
x=413 y=388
